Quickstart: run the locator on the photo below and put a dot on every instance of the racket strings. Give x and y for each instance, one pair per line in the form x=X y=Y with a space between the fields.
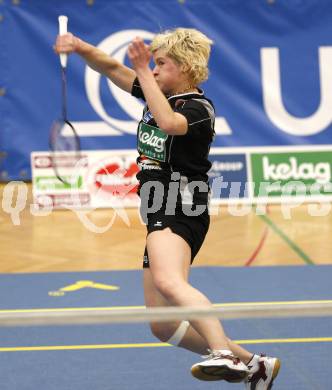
x=63 y=137
x=64 y=141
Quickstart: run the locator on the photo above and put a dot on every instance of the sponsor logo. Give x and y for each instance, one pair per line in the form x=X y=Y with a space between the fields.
x=149 y=138
x=228 y=176
x=42 y=162
x=147 y=117
x=151 y=142
x=53 y=183
x=117 y=176
x=285 y=171
x=227 y=166
x=62 y=160
x=62 y=200
x=293 y=170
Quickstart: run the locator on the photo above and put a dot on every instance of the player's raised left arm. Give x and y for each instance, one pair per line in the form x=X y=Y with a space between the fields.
x=119 y=74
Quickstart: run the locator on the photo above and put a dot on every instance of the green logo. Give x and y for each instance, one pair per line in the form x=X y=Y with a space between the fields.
x=297 y=173
x=152 y=142
x=53 y=183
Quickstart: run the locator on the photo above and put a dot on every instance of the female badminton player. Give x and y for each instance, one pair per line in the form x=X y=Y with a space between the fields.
x=173 y=142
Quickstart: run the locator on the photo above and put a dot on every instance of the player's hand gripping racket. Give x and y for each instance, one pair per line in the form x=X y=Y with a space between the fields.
x=63 y=136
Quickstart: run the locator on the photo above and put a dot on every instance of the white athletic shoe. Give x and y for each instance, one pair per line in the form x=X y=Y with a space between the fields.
x=220 y=365
x=262 y=372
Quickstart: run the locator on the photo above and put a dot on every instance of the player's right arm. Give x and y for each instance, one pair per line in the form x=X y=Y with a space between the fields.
x=119 y=74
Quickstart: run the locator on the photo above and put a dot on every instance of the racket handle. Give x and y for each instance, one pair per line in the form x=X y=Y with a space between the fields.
x=63 y=21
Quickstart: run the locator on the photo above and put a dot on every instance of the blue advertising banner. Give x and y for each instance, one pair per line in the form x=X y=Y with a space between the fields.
x=270 y=71
x=228 y=176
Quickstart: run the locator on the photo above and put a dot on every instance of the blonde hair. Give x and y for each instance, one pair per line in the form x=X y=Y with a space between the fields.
x=188 y=47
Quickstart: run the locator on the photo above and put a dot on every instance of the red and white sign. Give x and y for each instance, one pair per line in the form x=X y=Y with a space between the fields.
x=107 y=179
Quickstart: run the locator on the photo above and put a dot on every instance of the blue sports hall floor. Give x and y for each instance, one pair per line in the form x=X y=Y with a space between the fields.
x=127 y=357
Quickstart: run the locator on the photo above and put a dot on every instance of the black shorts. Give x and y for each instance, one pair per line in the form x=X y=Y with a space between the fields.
x=192 y=229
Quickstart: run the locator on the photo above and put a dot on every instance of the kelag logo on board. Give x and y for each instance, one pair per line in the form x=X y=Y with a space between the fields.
x=233 y=170
x=297 y=173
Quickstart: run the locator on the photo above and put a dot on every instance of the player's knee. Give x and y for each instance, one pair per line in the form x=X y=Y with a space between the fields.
x=168 y=287
x=162 y=331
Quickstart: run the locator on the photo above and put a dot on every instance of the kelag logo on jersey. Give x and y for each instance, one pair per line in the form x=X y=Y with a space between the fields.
x=151 y=142
x=233 y=170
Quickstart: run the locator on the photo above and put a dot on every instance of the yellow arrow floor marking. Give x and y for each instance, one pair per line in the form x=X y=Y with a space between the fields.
x=80 y=284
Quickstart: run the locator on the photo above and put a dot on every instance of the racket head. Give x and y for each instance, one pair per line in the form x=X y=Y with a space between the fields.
x=63 y=138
